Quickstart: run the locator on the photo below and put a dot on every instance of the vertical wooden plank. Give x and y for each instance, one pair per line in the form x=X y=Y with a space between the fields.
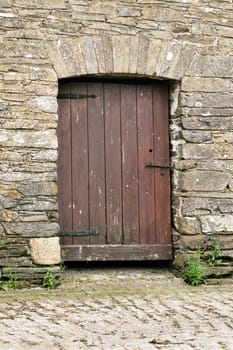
x=129 y=164
x=79 y=129
x=145 y=156
x=64 y=164
x=161 y=156
x=96 y=163
x=113 y=163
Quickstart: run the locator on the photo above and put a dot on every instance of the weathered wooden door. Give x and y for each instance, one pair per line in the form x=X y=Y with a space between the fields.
x=113 y=171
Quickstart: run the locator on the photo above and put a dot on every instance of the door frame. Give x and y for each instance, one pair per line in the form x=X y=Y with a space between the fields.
x=103 y=252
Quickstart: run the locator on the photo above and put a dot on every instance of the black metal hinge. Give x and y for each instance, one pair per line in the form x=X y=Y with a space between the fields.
x=74 y=96
x=161 y=167
x=78 y=233
x=151 y=165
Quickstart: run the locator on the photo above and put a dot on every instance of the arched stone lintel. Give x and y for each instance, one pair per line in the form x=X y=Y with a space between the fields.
x=138 y=55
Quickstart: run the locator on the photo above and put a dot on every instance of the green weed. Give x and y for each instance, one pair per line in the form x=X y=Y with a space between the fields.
x=2 y=243
x=49 y=280
x=11 y=283
x=215 y=255
x=195 y=272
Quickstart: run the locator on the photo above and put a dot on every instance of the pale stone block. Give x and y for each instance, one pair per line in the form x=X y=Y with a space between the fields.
x=60 y=66
x=205 y=100
x=152 y=56
x=212 y=66
x=46 y=104
x=217 y=224
x=121 y=54
x=168 y=58
x=108 y=53
x=142 y=55
x=182 y=63
x=38 y=188
x=45 y=251
x=134 y=43
x=208 y=123
x=187 y=225
x=89 y=56
x=204 y=181
x=207 y=151
x=99 y=52
x=40 y=139
x=206 y=84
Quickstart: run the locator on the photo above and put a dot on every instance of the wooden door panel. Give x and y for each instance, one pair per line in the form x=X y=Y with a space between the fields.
x=79 y=135
x=161 y=156
x=96 y=148
x=113 y=163
x=145 y=156
x=130 y=193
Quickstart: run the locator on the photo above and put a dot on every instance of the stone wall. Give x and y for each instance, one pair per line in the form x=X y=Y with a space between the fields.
x=188 y=42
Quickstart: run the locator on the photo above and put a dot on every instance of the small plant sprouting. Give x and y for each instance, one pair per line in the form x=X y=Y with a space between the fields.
x=49 y=279
x=62 y=263
x=10 y=284
x=194 y=272
x=62 y=266
x=215 y=255
x=2 y=243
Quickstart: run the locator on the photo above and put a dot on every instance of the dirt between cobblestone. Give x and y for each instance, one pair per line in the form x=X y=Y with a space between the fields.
x=118 y=309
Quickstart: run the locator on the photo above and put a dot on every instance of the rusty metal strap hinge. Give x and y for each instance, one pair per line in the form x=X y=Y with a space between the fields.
x=151 y=165
x=160 y=166
x=74 y=96
x=78 y=233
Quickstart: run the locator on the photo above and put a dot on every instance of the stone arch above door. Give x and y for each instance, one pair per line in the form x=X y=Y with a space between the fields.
x=137 y=55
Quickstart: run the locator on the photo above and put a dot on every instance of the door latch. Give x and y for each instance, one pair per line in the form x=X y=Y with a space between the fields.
x=161 y=167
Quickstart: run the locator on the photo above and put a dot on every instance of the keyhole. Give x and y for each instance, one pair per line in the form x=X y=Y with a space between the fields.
x=150 y=150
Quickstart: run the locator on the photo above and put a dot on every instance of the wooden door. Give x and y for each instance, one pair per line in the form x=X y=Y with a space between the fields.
x=113 y=171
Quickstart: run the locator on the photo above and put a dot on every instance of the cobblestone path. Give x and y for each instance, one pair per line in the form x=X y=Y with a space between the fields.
x=136 y=310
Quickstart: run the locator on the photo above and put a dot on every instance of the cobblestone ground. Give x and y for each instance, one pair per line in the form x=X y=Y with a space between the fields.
x=119 y=310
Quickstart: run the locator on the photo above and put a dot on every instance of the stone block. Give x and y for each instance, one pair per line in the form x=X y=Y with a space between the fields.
x=212 y=66
x=206 y=84
x=108 y=53
x=205 y=100
x=168 y=56
x=57 y=4
x=187 y=225
x=15 y=262
x=231 y=185
x=46 y=104
x=215 y=164
x=29 y=274
x=134 y=46
x=207 y=151
x=197 y=136
x=31 y=229
x=217 y=224
x=197 y=206
x=204 y=181
x=192 y=242
x=34 y=139
x=152 y=55
x=121 y=54
x=98 y=47
x=45 y=251
x=38 y=189
x=227 y=253
x=219 y=271
x=89 y=56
